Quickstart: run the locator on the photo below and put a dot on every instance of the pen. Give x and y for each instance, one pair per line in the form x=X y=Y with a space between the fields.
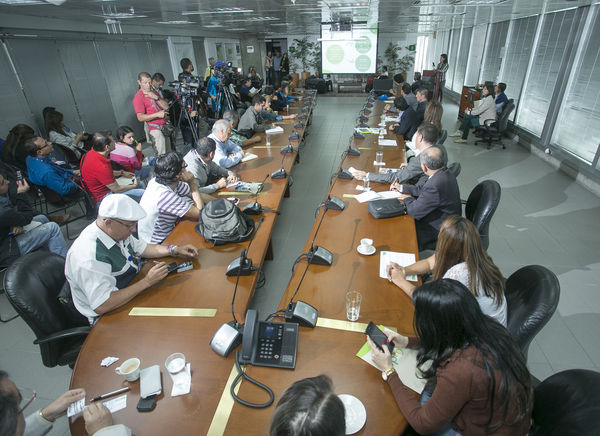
x=110 y=394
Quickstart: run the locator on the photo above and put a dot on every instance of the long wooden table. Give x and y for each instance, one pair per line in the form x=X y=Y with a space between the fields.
x=209 y=409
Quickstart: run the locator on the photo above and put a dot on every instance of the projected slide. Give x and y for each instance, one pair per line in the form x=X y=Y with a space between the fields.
x=349 y=52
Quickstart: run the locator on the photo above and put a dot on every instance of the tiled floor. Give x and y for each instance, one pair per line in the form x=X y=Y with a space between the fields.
x=544 y=218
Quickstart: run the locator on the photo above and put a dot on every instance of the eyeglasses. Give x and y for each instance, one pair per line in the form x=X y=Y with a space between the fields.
x=130 y=226
x=46 y=144
x=28 y=402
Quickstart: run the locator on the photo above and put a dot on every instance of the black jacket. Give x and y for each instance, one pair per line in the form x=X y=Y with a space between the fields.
x=408 y=124
x=19 y=215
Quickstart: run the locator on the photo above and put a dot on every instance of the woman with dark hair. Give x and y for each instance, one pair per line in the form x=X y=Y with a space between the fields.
x=486 y=110
x=442 y=68
x=482 y=385
x=59 y=134
x=309 y=407
x=128 y=153
x=459 y=255
x=433 y=114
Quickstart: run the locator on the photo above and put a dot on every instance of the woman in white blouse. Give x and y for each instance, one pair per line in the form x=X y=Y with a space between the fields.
x=58 y=133
x=459 y=255
x=486 y=110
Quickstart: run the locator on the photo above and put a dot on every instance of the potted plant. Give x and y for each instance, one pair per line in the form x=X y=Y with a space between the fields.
x=302 y=54
x=397 y=63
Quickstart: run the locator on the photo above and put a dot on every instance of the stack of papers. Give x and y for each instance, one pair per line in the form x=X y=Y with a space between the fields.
x=391 y=119
x=249 y=156
x=124 y=181
x=372 y=195
x=402 y=259
x=387 y=142
x=373 y=130
x=276 y=129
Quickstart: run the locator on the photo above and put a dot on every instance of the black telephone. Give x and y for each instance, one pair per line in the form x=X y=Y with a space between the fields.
x=271 y=344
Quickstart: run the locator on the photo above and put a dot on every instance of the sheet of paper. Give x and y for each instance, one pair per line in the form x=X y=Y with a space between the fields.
x=277 y=129
x=249 y=156
x=389 y=194
x=367 y=196
x=387 y=142
x=232 y=184
x=404 y=361
x=124 y=181
x=411 y=145
x=253 y=90
x=402 y=259
x=116 y=404
x=76 y=408
x=391 y=119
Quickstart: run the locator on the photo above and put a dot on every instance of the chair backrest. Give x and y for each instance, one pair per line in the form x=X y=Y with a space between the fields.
x=532 y=295
x=502 y=122
x=454 y=168
x=32 y=284
x=567 y=404
x=480 y=207
x=442 y=138
x=70 y=155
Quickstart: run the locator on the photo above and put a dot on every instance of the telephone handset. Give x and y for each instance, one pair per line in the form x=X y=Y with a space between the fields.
x=270 y=344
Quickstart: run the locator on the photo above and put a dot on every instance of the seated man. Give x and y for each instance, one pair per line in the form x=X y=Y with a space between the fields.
x=170 y=196
x=209 y=176
x=98 y=420
x=227 y=153
x=251 y=119
x=43 y=172
x=421 y=104
x=407 y=119
x=425 y=137
x=418 y=83
x=432 y=203
x=245 y=91
x=105 y=258
x=238 y=139
x=500 y=99
x=97 y=173
x=408 y=95
x=20 y=231
x=267 y=113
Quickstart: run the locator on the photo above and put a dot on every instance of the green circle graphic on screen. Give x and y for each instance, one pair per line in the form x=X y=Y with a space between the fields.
x=373 y=28
x=363 y=45
x=335 y=54
x=362 y=63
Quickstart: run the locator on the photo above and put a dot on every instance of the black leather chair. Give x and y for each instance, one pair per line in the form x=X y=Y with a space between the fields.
x=442 y=138
x=480 y=207
x=32 y=284
x=493 y=131
x=455 y=168
x=567 y=404
x=532 y=295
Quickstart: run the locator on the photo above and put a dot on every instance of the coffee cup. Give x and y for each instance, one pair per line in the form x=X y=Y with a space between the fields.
x=366 y=244
x=130 y=369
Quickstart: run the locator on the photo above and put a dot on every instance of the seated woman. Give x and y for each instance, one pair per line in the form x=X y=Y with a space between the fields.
x=128 y=153
x=170 y=196
x=309 y=407
x=482 y=385
x=255 y=78
x=459 y=255
x=477 y=116
x=59 y=134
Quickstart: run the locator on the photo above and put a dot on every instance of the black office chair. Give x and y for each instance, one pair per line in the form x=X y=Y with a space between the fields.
x=493 y=131
x=532 y=295
x=480 y=207
x=567 y=404
x=442 y=138
x=454 y=168
x=33 y=284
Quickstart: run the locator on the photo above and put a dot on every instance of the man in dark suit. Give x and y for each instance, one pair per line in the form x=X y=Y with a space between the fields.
x=407 y=118
x=421 y=103
x=437 y=199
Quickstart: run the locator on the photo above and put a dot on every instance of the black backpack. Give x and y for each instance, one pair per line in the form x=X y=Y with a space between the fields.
x=220 y=222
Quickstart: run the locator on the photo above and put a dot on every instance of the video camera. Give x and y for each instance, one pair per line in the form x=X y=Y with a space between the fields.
x=227 y=74
x=188 y=86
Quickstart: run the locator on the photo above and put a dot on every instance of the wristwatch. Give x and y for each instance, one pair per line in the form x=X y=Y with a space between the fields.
x=386 y=374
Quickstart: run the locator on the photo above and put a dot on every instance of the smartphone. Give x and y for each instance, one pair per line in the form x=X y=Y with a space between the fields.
x=378 y=336
x=146 y=404
x=19 y=176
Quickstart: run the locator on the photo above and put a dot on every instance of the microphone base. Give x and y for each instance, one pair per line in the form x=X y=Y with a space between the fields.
x=239 y=266
x=367 y=111
x=254 y=208
x=294 y=137
x=363 y=119
x=302 y=313
x=298 y=125
x=358 y=135
x=345 y=174
x=279 y=174
x=319 y=256
x=334 y=203
x=287 y=149
x=352 y=151
x=363 y=126
x=227 y=338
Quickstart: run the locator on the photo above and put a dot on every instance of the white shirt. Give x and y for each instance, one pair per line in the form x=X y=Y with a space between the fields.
x=97 y=265
x=488 y=306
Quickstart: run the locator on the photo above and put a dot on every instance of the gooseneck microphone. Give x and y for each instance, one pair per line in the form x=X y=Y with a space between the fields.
x=280 y=173
x=352 y=151
x=242 y=266
x=255 y=208
x=318 y=255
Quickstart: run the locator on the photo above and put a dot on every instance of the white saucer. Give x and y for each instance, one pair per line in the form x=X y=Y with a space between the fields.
x=366 y=252
x=356 y=414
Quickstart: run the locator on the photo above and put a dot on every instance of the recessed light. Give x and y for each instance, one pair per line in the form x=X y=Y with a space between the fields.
x=218 y=11
x=175 y=22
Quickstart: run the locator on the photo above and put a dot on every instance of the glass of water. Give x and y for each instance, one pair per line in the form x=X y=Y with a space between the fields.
x=379 y=158
x=366 y=183
x=268 y=139
x=353 y=300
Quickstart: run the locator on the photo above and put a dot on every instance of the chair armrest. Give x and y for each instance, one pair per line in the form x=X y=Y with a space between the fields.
x=488 y=123
x=75 y=331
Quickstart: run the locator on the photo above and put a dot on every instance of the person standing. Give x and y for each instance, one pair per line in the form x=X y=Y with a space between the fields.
x=442 y=67
x=268 y=64
x=277 y=68
x=151 y=109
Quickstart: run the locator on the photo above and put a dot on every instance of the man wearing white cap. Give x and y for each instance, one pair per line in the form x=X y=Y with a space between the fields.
x=106 y=257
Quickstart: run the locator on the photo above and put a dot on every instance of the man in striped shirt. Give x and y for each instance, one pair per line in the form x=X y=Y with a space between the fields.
x=170 y=196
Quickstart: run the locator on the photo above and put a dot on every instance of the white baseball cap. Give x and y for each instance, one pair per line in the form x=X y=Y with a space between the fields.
x=122 y=207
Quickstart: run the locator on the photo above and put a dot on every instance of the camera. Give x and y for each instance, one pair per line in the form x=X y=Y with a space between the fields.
x=186 y=87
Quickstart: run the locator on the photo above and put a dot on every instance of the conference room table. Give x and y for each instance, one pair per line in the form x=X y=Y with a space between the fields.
x=182 y=313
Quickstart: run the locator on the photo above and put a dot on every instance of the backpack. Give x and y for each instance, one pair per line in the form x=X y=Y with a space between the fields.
x=220 y=222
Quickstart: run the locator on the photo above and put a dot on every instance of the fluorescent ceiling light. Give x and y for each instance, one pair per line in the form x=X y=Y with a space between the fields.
x=22 y=2
x=256 y=19
x=218 y=11
x=238 y=29
x=175 y=22
x=119 y=15
x=212 y=25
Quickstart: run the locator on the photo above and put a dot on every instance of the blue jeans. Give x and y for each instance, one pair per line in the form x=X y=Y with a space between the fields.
x=48 y=235
x=444 y=431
